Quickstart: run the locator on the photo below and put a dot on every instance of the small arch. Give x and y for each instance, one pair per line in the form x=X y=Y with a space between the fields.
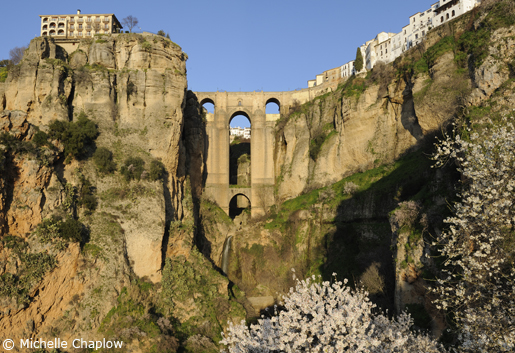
x=441 y=19
x=52 y=32
x=273 y=106
x=60 y=25
x=45 y=27
x=208 y=104
x=447 y=17
x=61 y=32
x=44 y=33
x=239 y=204
x=453 y=13
x=45 y=20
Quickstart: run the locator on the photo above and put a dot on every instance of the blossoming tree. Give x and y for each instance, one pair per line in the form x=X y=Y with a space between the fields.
x=327 y=317
x=478 y=285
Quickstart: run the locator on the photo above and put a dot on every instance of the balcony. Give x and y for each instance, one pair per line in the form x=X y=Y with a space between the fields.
x=72 y=20
x=106 y=20
x=80 y=20
x=97 y=20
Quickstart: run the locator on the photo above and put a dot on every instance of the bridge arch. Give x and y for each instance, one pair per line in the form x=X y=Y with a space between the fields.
x=208 y=101
x=239 y=203
x=272 y=106
x=239 y=111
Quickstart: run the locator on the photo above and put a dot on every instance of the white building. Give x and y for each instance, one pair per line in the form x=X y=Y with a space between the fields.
x=398 y=46
x=387 y=47
x=450 y=9
x=377 y=49
x=347 y=70
x=78 y=25
x=243 y=132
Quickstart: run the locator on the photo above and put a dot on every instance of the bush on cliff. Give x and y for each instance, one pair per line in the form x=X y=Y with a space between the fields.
x=132 y=168
x=75 y=136
x=103 y=159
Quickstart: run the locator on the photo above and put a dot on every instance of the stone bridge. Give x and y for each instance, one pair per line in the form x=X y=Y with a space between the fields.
x=227 y=105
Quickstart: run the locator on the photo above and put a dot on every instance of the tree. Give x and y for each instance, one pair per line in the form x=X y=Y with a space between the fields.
x=358 y=63
x=16 y=54
x=478 y=279
x=161 y=33
x=130 y=22
x=325 y=317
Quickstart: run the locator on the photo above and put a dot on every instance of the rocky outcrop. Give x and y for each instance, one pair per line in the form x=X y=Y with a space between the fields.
x=133 y=87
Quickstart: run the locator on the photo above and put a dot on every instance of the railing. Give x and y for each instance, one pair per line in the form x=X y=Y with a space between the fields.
x=106 y=20
x=80 y=20
x=97 y=19
x=72 y=20
x=45 y=20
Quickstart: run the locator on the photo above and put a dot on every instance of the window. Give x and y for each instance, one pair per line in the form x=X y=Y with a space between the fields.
x=404 y=31
x=447 y=17
x=72 y=27
x=106 y=27
x=80 y=26
x=453 y=13
x=45 y=20
x=416 y=36
x=441 y=19
x=386 y=51
x=44 y=33
x=80 y=34
x=89 y=33
x=423 y=33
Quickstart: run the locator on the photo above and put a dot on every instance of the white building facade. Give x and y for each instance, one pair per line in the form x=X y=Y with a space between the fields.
x=78 y=25
x=387 y=47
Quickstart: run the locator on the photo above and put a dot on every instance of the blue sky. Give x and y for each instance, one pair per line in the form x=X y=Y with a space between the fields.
x=238 y=45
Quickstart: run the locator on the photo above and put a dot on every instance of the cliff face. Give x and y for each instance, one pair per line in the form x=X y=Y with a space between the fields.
x=369 y=121
x=133 y=87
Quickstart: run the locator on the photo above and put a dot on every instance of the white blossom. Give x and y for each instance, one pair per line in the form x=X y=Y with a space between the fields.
x=327 y=317
x=479 y=287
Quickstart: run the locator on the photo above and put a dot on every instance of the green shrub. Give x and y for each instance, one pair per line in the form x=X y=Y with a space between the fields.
x=86 y=198
x=3 y=73
x=54 y=227
x=146 y=46
x=157 y=170
x=103 y=159
x=75 y=136
x=132 y=168
x=316 y=144
x=40 y=138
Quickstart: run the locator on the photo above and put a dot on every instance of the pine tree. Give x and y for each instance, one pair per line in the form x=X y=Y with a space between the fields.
x=358 y=64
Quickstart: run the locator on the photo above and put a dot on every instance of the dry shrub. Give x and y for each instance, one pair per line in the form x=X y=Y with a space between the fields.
x=407 y=213
x=372 y=280
x=382 y=74
x=350 y=188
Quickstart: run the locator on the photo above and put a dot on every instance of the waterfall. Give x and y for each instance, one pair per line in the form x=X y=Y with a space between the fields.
x=225 y=254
